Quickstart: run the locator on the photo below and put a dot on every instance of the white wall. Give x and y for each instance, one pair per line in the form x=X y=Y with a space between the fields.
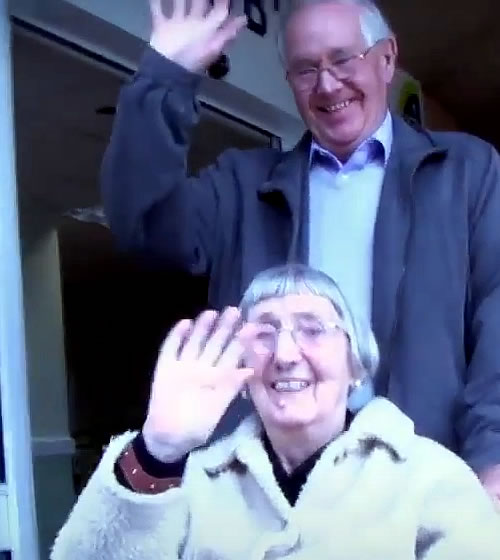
x=52 y=445
x=255 y=90
x=255 y=65
x=45 y=337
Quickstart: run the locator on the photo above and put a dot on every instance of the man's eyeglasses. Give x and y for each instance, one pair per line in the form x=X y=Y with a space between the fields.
x=305 y=334
x=305 y=76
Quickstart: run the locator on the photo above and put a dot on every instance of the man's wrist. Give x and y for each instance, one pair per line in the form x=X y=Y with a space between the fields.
x=167 y=71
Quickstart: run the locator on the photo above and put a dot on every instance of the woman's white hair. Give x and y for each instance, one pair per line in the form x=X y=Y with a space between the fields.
x=374 y=26
x=300 y=279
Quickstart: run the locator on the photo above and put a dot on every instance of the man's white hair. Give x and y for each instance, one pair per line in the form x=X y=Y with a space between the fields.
x=374 y=26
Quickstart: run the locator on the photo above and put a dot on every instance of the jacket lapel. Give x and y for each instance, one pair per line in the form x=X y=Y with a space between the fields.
x=391 y=238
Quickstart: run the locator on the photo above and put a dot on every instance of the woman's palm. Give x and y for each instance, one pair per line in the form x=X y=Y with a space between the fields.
x=196 y=378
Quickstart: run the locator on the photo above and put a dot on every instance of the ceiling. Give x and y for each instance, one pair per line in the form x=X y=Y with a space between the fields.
x=452 y=47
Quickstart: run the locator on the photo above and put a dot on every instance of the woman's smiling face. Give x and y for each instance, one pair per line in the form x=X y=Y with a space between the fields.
x=302 y=359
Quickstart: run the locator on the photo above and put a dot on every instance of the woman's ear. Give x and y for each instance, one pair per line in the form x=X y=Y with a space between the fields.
x=356 y=370
x=360 y=393
x=361 y=390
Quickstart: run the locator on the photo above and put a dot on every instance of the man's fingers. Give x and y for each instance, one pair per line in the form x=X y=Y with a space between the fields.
x=199 y=334
x=218 y=14
x=219 y=339
x=175 y=340
x=156 y=9
x=234 y=25
x=225 y=34
x=221 y=5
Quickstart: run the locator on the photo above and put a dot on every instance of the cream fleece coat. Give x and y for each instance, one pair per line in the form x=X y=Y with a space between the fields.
x=378 y=492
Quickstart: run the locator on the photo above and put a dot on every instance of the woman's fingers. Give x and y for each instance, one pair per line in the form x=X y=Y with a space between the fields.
x=222 y=334
x=175 y=340
x=179 y=9
x=199 y=8
x=200 y=332
x=235 y=350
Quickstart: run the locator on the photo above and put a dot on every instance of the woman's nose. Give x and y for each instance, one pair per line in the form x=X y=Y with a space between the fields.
x=287 y=351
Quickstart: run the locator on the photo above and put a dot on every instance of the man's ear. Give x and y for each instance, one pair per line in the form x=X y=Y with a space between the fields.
x=390 y=59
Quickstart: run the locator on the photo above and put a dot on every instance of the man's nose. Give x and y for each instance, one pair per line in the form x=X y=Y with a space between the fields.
x=327 y=82
x=287 y=352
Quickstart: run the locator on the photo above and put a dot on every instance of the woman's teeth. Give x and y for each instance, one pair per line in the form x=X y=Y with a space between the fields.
x=290 y=386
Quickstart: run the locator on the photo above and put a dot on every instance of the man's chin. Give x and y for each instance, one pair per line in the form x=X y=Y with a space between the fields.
x=341 y=144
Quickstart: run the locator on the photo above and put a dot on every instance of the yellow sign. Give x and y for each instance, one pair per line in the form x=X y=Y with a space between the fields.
x=410 y=100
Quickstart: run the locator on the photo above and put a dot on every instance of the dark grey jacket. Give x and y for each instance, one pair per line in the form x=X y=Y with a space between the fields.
x=436 y=278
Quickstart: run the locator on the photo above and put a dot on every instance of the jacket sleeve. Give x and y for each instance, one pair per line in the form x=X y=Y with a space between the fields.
x=479 y=415
x=459 y=520
x=152 y=206
x=109 y=522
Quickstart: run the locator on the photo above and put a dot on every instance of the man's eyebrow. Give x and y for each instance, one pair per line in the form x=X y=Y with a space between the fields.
x=341 y=50
x=338 y=52
x=304 y=60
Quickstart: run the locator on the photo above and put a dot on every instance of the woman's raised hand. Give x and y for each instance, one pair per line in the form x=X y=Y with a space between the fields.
x=197 y=375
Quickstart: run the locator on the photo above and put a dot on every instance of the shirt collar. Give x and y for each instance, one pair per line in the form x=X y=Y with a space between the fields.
x=380 y=139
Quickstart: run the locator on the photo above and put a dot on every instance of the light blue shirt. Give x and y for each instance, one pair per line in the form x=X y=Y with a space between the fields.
x=343 y=203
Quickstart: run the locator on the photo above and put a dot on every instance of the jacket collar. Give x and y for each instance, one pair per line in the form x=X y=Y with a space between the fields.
x=411 y=144
x=379 y=419
x=289 y=169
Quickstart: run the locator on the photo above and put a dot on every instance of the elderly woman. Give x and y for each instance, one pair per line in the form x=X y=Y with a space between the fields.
x=312 y=474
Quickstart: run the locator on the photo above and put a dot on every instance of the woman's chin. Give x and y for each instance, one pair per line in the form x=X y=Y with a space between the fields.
x=291 y=419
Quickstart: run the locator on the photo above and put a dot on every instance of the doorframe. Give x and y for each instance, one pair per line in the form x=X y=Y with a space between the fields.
x=18 y=492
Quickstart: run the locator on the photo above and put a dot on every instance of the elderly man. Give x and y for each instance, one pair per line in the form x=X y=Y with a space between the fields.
x=404 y=219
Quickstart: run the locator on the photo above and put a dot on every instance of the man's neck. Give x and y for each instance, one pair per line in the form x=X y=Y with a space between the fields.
x=343 y=153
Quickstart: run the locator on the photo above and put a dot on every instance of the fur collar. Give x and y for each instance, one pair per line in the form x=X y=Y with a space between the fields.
x=380 y=424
